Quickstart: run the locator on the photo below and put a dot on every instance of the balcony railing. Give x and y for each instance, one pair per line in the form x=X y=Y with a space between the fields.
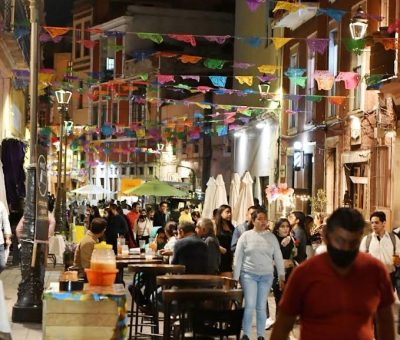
x=15 y=20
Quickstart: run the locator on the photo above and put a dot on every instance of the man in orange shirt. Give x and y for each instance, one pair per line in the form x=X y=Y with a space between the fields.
x=338 y=294
x=133 y=215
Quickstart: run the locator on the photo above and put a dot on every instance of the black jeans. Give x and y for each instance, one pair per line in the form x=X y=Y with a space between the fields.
x=275 y=286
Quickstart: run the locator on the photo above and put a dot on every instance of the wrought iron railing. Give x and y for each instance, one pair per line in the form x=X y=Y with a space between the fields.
x=15 y=19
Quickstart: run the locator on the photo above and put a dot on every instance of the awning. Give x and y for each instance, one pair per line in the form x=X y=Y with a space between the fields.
x=359 y=180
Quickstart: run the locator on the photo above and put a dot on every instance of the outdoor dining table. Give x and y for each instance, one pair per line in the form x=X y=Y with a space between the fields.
x=151 y=271
x=123 y=262
x=190 y=280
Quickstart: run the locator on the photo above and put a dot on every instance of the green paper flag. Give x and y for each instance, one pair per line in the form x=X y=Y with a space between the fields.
x=157 y=38
x=314 y=99
x=355 y=46
x=247 y=112
x=215 y=64
x=183 y=86
x=144 y=76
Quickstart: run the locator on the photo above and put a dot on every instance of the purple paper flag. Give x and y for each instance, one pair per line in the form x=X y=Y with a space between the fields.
x=267 y=77
x=219 y=39
x=317 y=45
x=253 y=4
x=242 y=65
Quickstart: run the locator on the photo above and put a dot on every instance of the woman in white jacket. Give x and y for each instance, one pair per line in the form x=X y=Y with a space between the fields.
x=256 y=253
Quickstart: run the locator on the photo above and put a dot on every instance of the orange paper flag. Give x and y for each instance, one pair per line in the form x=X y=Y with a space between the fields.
x=56 y=31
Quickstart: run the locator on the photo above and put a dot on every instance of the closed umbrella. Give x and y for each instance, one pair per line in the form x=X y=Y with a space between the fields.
x=234 y=190
x=155 y=188
x=3 y=197
x=209 y=199
x=220 y=193
x=257 y=189
x=245 y=200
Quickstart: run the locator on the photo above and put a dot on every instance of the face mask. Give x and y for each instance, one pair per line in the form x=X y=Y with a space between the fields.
x=342 y=258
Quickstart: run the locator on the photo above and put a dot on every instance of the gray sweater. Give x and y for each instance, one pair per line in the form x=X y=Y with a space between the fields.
x=256 y=253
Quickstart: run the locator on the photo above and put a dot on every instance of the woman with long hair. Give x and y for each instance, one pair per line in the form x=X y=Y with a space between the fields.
x=171 y=230
x=256 y=253
x=224 y=231
x=288 y=248
x=297 y=222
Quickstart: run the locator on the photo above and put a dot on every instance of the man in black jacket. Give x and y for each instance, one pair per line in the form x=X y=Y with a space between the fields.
x=117 y=225
x=160 y=217
x=190 y=250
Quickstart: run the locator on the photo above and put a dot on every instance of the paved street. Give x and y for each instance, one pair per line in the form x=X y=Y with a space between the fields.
x=11 y=278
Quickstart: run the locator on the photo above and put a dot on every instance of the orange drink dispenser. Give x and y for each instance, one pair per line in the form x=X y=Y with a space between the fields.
x=103 y=267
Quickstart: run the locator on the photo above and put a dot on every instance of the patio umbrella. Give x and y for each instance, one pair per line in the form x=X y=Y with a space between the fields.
x=234 y=190
x=209 y=199
x=220 y=192
x=155 y=188
x=245 y=199
x=91 y=189
x=257 y=189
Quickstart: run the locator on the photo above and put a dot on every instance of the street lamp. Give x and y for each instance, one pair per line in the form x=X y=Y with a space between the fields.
x=63 y=98
x=358 y=24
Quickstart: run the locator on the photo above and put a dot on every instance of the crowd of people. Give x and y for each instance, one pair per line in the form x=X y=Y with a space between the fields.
x=263 y=255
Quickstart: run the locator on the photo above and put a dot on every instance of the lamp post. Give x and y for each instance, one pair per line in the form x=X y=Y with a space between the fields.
x=358 y=24
x=28 y=307
x=63 y=98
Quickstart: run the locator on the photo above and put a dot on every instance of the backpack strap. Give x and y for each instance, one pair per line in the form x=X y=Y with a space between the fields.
x=368 y=242
x=393 y=238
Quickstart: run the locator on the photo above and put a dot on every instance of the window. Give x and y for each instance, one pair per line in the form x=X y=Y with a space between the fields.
x=95 y=115
x=151 y=170
x=333 y=55
x=81 y=33
x=110 y=64
x=294 y=63
x=309 y=105
x=196 y=148
x=107 y=57
x=132 y=170
x=114 y=119
x=103 y=117
x=138 y=112
x=123 y=171
x=140 y=171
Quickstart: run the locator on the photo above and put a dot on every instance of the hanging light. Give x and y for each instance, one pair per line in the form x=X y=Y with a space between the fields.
x=263 y=88
x=63 y=97
x=358 y=24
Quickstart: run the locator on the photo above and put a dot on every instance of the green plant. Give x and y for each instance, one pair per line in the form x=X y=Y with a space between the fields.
x=318 y=202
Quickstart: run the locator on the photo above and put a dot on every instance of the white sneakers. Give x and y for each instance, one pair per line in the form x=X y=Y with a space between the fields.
x=268 y=323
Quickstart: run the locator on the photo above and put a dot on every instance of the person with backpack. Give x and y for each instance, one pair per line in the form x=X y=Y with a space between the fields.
x=383 y=245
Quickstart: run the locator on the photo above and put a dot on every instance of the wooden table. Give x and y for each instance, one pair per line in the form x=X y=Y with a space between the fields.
x=197 y=297
x=190 y=280
x=150 y=271
x=93 y=313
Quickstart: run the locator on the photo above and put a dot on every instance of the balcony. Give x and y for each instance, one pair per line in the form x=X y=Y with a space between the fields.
x=294 y=20
x=15 y=19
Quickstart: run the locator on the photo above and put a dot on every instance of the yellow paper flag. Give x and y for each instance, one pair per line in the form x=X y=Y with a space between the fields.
x=44 y=81
x=287 y=6
x=279 y=42
x=248 y=80
x=267 y=68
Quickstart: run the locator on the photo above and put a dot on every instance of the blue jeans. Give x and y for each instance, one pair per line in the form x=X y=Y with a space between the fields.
x=255 y=289
x=2 y=258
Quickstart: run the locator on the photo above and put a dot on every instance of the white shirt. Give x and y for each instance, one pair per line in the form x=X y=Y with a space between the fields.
x=5 y=228
x=382 y=250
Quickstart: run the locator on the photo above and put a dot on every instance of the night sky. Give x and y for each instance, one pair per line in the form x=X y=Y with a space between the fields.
x=58 y=12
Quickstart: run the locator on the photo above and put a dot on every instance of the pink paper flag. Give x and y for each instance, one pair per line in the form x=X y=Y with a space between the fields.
x=253 y=4
x=188 y=38
x=162 y=78
x=219 y=39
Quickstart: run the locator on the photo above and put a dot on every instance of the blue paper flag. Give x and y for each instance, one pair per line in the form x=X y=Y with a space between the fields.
x=335 y=14
x=219 y=81
x=253 y=41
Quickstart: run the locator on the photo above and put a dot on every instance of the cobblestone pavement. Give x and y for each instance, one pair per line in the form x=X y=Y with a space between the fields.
x=11 y=278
